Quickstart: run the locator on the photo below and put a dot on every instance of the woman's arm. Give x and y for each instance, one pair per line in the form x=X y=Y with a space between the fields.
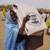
x=23 y=24
x=22 y=28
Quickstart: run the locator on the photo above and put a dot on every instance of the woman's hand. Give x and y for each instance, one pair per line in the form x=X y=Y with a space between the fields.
x=23 y=24
x=26 y=19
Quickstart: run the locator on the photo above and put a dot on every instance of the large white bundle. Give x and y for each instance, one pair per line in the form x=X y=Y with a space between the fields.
x=35 y=23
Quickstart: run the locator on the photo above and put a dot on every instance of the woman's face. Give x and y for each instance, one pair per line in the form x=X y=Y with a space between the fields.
x=13 y=16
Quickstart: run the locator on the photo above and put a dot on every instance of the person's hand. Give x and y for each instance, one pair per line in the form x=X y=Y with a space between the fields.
x=26 y=19
x=23 y=24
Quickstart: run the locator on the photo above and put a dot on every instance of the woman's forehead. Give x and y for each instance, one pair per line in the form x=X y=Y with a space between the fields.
x=12 y=12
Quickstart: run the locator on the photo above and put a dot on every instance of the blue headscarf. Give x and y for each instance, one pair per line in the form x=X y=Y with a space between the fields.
x=11 y=33
x=8 y=18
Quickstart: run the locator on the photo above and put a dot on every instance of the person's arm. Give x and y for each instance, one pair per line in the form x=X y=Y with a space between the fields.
x=23 y=24
x=22 y=28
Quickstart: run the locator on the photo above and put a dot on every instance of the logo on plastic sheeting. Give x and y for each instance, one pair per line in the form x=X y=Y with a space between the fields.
x=35 y=19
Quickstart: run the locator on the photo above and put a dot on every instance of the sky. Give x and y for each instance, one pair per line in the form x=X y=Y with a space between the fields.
x=37 y=3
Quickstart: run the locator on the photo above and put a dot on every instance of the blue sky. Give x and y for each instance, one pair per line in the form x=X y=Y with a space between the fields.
x=37 y=3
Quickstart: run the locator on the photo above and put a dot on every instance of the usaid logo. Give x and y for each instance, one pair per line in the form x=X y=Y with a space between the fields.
x=35 y=19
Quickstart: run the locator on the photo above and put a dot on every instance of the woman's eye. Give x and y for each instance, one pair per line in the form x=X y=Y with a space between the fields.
x=11 y=15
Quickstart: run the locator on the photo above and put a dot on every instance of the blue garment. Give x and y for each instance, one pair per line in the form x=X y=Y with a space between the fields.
x=11 y=33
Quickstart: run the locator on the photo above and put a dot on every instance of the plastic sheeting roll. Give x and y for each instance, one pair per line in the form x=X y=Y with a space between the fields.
x=35 y=23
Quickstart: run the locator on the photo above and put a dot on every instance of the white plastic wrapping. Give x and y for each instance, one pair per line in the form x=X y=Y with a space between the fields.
x=35 y=24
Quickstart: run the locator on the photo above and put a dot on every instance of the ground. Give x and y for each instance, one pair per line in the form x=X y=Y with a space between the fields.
x=46 y=40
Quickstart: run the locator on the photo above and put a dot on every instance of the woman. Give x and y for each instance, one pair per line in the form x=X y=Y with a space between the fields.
x=4 y=12
x=2 y=16
x=13 y=35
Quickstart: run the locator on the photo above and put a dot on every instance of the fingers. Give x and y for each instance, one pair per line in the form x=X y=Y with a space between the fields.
x=27 y=16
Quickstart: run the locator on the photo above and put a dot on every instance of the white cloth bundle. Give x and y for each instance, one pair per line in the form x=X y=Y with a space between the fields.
x=35 y=23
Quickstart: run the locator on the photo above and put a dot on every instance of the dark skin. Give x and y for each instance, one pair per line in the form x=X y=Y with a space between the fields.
x=14 y=17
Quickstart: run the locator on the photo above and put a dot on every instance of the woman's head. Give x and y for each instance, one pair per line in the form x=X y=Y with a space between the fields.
x=13 y=15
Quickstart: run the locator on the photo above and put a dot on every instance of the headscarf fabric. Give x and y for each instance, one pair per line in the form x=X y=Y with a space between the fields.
x=11 y=34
